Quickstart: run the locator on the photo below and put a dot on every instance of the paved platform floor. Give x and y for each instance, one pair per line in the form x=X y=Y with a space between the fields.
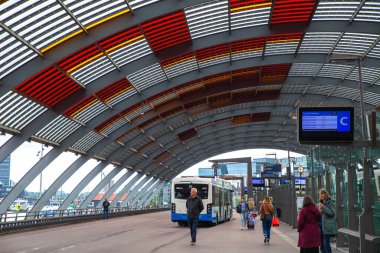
x=148 y=233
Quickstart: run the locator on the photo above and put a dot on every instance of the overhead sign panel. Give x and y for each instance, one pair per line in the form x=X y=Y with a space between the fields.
x=325 y=124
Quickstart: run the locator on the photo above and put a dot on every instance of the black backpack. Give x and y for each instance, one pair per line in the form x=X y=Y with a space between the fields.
x=238 y=208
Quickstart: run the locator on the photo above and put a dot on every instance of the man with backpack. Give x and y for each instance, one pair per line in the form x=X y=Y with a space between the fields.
x=106 y=204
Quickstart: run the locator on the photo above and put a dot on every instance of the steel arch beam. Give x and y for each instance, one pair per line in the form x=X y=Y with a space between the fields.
x=156 y=183
x=223 y=132
x=100 y=186
x=126 y=188
x=134 y=191
x=285 y=96
x=144 y=190
x=123 y=22
x=169 y=175
x=190 y=152
x=39 y=123
x=215 y=148
x=115 y=187
x=59 y=182
x=85 y=181
x=153 y=193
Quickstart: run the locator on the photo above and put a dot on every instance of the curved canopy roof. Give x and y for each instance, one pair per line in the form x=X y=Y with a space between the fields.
x=157 y=86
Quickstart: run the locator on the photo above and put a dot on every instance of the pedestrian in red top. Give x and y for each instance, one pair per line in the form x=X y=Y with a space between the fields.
x=309 y=238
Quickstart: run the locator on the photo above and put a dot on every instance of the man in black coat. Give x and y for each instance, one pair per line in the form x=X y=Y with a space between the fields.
x=194 y=207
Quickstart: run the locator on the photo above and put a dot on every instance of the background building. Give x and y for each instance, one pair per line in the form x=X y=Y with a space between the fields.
x=5 y=168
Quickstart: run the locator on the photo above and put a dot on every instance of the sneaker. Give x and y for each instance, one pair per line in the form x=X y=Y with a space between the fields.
x=192 y=242
x=241 y=228
x=265 y=239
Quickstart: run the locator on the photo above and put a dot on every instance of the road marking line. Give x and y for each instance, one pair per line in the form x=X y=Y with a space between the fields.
x=66 y=248
x=286 y=238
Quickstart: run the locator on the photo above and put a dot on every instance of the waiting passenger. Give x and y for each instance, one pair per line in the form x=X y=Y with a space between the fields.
x=329 y=226
x=266 y=215
x=251 y=204
x=194 y=207
x=243 y=209
x=309 y=239
x=106 y=204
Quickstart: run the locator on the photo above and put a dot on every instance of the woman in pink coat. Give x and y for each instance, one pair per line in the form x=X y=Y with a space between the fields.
x=307 y=226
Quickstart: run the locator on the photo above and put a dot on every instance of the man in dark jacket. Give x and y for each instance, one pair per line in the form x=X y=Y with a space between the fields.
x=194 y=207
x=106 y=204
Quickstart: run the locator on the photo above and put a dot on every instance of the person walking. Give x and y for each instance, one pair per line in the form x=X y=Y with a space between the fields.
x=244 y=213
x=309 y=239
x=106 y=204
x=266 y=215
x=329 y=226
x=194 y=207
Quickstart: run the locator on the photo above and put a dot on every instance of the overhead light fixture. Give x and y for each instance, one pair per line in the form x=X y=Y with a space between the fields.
x=341 y=58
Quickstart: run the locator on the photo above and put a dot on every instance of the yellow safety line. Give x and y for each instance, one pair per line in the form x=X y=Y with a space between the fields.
x=248 y=7
x=130 y=41
x=84 y=63
x=107 y=18
x=60 y=41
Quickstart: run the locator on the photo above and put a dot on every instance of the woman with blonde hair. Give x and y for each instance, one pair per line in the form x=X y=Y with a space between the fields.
x=251 y=204
x=329 y=227
x=266 y=214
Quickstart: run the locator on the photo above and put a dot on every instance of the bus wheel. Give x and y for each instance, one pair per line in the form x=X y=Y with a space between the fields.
x=181 y=223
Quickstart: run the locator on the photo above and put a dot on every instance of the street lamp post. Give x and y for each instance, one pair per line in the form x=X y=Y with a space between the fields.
x=40 y=155
x=275 y=156
x=365 y=218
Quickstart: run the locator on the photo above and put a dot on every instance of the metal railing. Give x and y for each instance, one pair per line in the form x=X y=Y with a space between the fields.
x=16 y=220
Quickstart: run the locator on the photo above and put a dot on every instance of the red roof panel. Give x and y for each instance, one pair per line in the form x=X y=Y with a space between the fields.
x=49 y=86
x=287 y=11
x=166 y=31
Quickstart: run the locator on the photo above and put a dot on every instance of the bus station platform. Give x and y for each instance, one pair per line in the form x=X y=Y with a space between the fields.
x=149 y=233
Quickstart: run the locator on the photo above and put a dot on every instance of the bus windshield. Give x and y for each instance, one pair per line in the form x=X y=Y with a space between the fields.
x=182 y=191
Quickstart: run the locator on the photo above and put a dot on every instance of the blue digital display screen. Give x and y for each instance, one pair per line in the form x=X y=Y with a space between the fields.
x=300 y=181
x=317 y=125
x=339 y=121
x=258 y=182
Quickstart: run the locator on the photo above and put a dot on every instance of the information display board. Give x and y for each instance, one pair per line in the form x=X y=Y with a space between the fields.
x=325 y=124
x=258 y=182
x=300 y=181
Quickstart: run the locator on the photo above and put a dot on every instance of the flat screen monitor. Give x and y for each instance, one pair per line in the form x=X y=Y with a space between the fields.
x=300 y=181
x=258 y=182
x=284 y=181
x=325 y=125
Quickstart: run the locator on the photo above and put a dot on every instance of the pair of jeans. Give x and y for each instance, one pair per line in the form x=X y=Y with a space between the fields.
x=267 y=225
x=243 y=218
x=325 y=244
x=105 y=213
x=193 y=223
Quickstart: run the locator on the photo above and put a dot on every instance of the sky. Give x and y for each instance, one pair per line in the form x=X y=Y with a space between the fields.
x=28 y=154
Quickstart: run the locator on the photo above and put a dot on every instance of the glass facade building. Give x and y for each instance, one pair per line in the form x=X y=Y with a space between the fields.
x=5 y=168
x=236 y=169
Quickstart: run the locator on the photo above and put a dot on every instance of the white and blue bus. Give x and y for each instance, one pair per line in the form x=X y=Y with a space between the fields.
x=216 y=195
